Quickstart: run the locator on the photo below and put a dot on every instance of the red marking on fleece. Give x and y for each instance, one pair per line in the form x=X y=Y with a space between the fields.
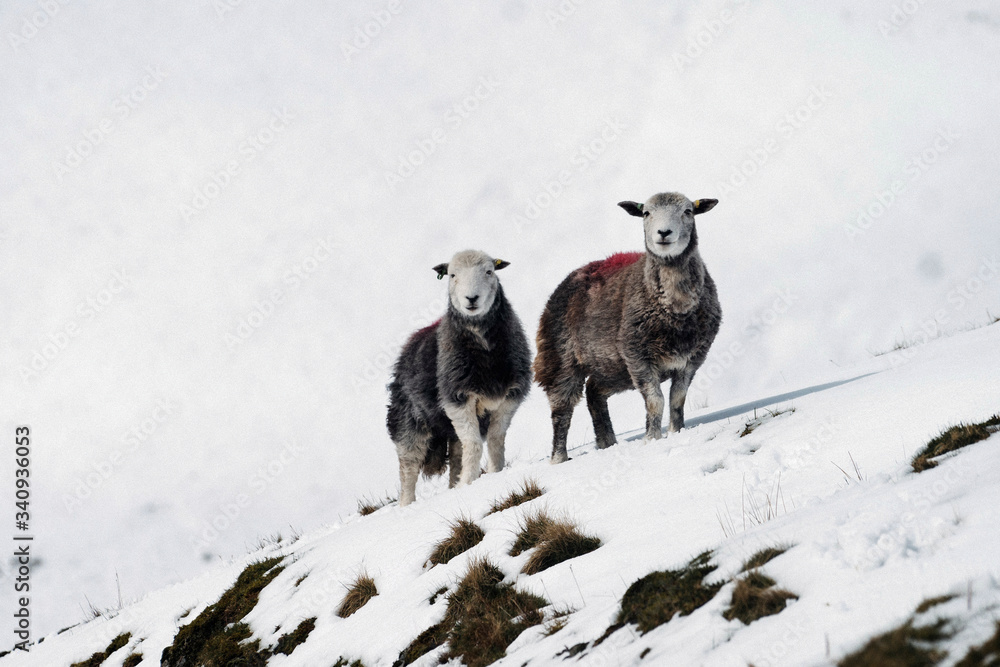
x=420 y=333
x=606 y=268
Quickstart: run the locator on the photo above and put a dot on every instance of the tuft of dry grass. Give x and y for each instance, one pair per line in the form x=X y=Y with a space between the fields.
x=763 y=557
x=358 y=594
x=529 y=491
x=905 y=646
x=954 y=439
x=752 y=425
x=755 y=596
x=530 y=532
x=560 y=542
x=484 y=616
x=368 y=505
x=554 y=541
x=464 y=535
x=133 y=660
x=656 y=598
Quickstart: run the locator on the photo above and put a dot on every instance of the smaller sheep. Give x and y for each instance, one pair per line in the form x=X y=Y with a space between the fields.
x=630 y=322
x=460 y=379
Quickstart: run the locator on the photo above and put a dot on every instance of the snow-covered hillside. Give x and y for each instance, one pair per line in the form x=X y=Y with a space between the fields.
x=218 y=221
x=825 y=473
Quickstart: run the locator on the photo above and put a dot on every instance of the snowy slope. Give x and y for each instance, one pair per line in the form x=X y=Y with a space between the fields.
x=207 y=265
x=865 y=551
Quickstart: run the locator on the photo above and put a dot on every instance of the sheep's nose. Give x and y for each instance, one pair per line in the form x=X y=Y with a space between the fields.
x=472 y=299
x=665 y=234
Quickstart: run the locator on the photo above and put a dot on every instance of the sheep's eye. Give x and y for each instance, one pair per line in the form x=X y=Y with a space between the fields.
x=451 y=275
x=689 y=212
x=489 y=272
x=645 y=214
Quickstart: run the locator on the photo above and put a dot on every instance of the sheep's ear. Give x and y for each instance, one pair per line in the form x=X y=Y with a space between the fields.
x=442 y=270
x=632 y=208
x=500 y=264
x=704 y=205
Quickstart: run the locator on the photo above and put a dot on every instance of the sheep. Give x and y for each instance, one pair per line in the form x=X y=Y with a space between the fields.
x=459 y=380
x=630 y=321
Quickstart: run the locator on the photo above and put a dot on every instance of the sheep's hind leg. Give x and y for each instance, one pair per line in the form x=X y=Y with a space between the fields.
x=454 y=462
x=562 y=400
x=466 y=422
x=597 y=403
x=411 y=452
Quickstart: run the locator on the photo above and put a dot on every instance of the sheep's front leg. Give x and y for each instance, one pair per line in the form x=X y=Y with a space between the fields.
x=678 y=395
x=464 y=418
x=649 y=386
x=497 y=433
x=454 y=462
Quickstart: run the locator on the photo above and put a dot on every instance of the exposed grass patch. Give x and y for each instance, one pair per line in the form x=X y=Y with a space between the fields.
x=438 y=593
x=763 y=557
x=529 y=491
x=560 y=542
x=98 y=658
x=656 y=598
x=530 y=532
x=930 y=603
x=554 y=541
x=133 y=660
x=986 y=655
x=954 y=439
x=464 y=535
x=287 y=642
x=559 y=620
x=368 y=505
x=358 y=594
x=756 y=596
x=484 y=616
x=212 y=638
x=905 y=646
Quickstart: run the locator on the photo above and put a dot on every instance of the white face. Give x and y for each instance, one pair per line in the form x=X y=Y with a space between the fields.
x=472 y=282
x=668 y=225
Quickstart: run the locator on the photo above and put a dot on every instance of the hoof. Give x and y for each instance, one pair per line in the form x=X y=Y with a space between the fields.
x=559 y=457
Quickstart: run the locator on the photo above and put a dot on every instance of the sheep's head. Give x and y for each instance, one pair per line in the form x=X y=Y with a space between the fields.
x=669 y=221
x=472 y=281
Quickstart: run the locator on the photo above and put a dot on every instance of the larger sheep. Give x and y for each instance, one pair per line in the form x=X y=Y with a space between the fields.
x=460 y=379
x=631 y=322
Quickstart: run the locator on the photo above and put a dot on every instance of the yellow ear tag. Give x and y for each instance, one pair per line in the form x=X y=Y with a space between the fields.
x=697 y=203
x=497 y=262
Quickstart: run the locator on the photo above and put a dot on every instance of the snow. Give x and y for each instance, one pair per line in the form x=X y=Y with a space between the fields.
x=866 y=545
x=236 y=186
